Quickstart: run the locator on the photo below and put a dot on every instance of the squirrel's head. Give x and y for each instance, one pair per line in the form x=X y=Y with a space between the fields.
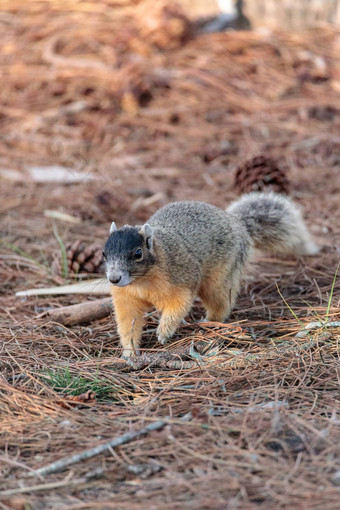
x=128 y=253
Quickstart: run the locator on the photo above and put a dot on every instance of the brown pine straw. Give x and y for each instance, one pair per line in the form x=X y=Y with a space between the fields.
x=81 y=88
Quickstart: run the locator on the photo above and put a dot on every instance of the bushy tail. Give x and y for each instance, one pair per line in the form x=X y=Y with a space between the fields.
x=274 y=223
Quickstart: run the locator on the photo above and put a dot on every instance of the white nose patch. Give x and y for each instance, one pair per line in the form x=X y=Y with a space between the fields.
x=113 y=266
x=114 y=270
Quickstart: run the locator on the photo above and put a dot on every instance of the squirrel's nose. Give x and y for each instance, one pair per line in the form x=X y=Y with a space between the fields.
x=115 y=280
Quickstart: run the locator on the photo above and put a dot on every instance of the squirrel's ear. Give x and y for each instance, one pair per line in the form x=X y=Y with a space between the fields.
x=147 y=232
x=113 y=227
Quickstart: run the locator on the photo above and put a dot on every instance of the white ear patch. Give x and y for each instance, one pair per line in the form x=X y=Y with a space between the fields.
x=113 y=227
x=148 y=234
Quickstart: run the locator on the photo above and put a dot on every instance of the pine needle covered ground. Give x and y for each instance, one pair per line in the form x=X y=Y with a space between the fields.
x=252 y=413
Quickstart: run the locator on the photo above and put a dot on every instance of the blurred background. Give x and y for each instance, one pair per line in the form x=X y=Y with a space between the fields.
x=289 y=14
x=110 y=109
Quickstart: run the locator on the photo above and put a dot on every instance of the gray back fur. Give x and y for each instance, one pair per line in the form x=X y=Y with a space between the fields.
x=197 y=236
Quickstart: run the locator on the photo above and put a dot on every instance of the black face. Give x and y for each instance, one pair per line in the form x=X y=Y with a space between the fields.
x=126 y=256
x=123 y=242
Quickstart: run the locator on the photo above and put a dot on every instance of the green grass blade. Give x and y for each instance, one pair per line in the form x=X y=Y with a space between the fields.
x=289 y=307
x=63 y=251
x=332 y=290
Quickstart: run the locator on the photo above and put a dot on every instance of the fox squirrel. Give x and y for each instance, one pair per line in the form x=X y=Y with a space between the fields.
x=190 y=249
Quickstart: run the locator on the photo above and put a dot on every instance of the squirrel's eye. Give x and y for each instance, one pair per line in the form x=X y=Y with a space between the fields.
x=138 y=254
x=104 y=256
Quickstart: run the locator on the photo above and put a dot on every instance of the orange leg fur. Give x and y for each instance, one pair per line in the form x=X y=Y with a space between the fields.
x=219 y=307
x=218 y=297
x=129 y=313
x=174 y=309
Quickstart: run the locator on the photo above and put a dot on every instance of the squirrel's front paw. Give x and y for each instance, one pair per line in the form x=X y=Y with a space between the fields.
x=129 y=353
x=164 y=335
x=166 y=329
x=163 y=339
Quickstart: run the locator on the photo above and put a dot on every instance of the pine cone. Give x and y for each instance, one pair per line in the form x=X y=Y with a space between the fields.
x=164 y=24
x=260 y=173
x=83 y=259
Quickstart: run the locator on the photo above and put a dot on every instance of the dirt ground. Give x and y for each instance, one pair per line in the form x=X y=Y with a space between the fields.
x=149 y=114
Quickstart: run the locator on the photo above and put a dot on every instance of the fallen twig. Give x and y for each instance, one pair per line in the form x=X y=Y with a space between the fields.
x=226 y=358
x=315 y=325
x=60 y=464
x=81 y=312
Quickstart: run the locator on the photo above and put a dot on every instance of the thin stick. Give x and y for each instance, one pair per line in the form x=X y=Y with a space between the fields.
x=92 y=452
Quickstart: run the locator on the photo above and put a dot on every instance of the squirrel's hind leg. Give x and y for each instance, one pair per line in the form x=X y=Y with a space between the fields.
x=174 y=309
x=218 y=294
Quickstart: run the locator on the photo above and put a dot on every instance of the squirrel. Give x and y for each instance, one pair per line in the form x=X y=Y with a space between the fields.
x=190 y=249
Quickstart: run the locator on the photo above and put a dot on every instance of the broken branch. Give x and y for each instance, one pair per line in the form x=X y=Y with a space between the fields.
x=82 y=312
x=92 y=452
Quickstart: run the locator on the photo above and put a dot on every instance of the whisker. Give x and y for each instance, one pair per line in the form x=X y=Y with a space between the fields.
x=93 y=285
